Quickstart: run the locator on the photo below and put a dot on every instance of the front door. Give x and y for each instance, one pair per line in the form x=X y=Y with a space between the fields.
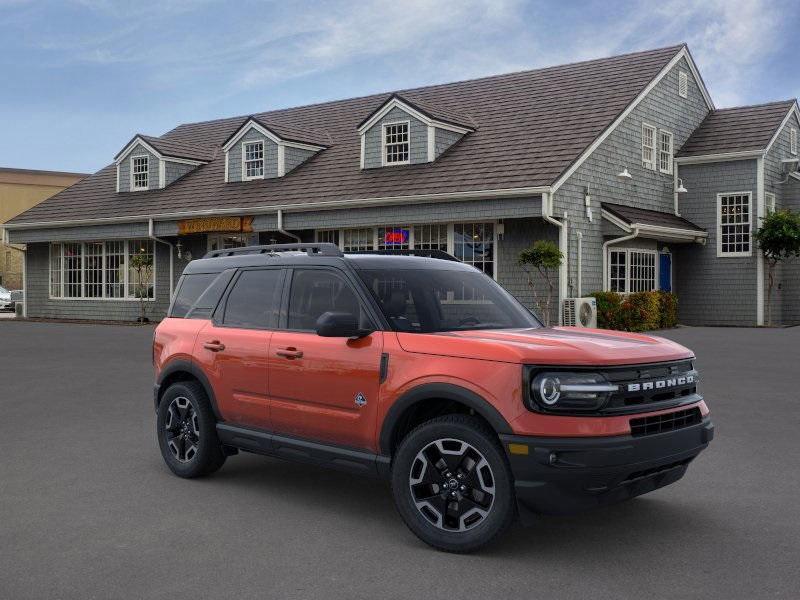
x=320 y=388
x=232 y=349
x=665 y=272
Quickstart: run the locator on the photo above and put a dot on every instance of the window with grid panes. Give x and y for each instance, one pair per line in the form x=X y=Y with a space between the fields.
x=617 y=264
x=73 y=270
x=328 y=236
x=648 y=146
x=55 y=270
x=140 y=282
x=473 y=243
x=734 y=224
x=93 y=270
x=665 y=152
x=140 y=172
x=430 y=237
x=253 y=160
x=115 y=269
x=396 y=146
x=393 y=238
x=358 y=239
x=631 y=271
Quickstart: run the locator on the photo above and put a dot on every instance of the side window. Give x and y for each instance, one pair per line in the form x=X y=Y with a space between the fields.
x=189 y=291
x=254 y=300
x=317 y=291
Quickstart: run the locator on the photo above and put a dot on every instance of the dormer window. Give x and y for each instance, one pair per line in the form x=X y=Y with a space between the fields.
x=396 y=147
x=253 y=160
x=140 y=169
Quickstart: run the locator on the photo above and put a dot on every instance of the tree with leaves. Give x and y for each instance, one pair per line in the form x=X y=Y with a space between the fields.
x=778 y=237
x=142 y=266
x=540 y=261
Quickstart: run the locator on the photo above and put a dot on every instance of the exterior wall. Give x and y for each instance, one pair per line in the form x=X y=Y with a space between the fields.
x=418 y=138
x=66 y=234
x=39 y=305
x=294 y=157
x=270 y=156
x=124 y=169
x=443 y=139
x=712 y=290
x=520 y=234
x=174 y=171
x=786 y=288
x=649 y=189
x=11 y=267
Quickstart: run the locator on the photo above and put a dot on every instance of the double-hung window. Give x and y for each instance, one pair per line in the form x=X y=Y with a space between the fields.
x=396 y=146
x=120 y=269
x=253 y=160
x=631 y=270
x=140 y=167
x=665 y=152
x=648 y=146
x=734 y=224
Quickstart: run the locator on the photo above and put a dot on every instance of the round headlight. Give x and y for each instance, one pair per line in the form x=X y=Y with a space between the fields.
x=549 y=390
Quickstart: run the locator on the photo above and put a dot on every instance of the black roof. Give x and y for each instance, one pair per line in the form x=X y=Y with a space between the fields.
x=631 y=215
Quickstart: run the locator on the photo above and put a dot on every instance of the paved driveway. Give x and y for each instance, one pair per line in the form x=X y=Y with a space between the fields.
x=87 y=509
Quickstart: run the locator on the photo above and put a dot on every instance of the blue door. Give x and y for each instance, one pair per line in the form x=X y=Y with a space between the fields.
x=665 y=272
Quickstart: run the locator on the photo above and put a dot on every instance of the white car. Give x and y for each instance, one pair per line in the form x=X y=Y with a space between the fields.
x=5 y=299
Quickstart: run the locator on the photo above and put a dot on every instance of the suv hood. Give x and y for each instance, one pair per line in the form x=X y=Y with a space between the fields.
x=547 y=346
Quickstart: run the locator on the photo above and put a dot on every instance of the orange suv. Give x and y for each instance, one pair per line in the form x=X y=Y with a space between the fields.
x=423 y=371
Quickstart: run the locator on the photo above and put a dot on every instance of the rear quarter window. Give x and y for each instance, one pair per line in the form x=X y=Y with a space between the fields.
x=189 y=290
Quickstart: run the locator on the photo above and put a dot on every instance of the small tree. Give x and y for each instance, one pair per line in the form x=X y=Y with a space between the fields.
x=779 y=239
x=544 y=257
x=142 y=266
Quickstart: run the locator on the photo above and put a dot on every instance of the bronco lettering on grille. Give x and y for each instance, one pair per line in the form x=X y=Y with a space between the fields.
x=659 y=384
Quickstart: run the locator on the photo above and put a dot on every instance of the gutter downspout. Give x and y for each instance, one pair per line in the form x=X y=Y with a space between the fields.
x=605 y=253
x=547 y=210
x=151 y=235
x=580 y=260
x=282 y=230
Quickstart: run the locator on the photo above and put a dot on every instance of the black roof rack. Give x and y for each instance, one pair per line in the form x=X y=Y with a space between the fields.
x=433 y=253
x=310 y=249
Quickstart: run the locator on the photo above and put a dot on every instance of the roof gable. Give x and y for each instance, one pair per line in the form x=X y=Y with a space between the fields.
x=287 y=134
x=168 y=149
x=421 y=110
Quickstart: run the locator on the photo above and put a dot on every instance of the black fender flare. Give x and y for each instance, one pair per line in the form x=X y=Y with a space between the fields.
x=186 y=366
x=438 y=391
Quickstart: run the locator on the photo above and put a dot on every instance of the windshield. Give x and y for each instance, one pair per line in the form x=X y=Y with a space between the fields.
x=3 y=290
x=433 y=300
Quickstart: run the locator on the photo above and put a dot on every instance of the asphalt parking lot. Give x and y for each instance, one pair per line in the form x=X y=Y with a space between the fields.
x=88 y=510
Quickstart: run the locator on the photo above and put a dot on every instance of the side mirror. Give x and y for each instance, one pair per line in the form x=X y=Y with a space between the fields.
x=340 y=324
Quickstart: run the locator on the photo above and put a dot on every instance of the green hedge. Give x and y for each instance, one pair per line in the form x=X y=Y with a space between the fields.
x=640 y=311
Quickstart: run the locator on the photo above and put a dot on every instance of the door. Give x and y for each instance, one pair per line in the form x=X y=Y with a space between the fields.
x=665 y=272
x=324 y=389
x=232 y=349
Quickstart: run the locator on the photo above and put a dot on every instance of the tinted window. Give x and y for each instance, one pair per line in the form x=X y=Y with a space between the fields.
x=431 y=300
x=189 y=291
x=317 y=291
x=253 y=302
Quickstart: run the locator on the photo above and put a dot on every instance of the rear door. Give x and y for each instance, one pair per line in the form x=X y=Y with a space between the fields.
x=232 y=348
x=324 y=389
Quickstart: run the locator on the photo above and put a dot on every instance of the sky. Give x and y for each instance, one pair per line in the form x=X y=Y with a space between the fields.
x=81 y=77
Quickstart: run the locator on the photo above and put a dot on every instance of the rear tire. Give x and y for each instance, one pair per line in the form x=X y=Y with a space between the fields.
x=452 y=484
x=187 y=432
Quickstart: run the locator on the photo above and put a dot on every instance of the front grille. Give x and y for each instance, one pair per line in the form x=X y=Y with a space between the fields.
x=665 y=422
x=637 y=475
x=626 y=399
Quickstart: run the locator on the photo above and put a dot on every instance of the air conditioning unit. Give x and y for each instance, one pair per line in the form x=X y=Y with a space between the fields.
x=580 y=312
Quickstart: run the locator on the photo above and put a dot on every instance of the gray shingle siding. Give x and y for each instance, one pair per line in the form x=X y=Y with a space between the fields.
x=125 y=169
x=712 y=290
x=270 y=156
x=443 y=139
x=88 y=233
x=41 y=306
x=649 y=189
x=418 y=138
x=175 y=170
x=294 y=157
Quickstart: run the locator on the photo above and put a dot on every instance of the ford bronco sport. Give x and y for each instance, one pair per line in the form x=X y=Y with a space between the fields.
x=423 y=371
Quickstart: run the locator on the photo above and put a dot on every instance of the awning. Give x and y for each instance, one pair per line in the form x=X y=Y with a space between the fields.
x=667 y=227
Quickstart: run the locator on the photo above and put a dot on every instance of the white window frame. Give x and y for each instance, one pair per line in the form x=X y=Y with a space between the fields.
x=665 y=156
x=263 y=160
x=384 y=148
x=683 y=84
x=720 y=253
x=649 y=164
x=412 y=241
x=105 y=297
x=793 y=141
x=133 y=186
x=628 y=251
x=769 y=202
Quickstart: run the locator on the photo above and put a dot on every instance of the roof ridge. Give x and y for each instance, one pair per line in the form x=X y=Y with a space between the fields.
x=773 y=103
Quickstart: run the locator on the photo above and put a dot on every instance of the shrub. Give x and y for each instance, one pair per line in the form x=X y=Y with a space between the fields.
x=641 y=311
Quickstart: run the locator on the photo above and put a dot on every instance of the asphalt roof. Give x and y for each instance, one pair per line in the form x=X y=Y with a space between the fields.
x=530 y=126
x=738 y=129
x=631 y=215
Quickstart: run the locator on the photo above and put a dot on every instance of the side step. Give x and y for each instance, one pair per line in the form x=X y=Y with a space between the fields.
x=306 y=451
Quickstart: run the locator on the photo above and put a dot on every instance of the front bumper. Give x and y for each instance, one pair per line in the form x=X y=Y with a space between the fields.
x=568 y=475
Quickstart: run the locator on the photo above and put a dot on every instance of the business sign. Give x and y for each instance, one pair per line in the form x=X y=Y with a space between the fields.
x=216 y=224
x=395 y=237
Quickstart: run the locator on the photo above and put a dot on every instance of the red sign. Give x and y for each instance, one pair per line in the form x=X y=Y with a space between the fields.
x=395 y=237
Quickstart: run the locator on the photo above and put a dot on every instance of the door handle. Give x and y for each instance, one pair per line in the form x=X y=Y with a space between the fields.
x=215 y=346
x=291 y=352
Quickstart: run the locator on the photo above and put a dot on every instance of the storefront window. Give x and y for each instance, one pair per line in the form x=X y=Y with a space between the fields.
x=225 y=241
x=473 y=243
x=632 y=271
x=358 y=239
x=394 y=238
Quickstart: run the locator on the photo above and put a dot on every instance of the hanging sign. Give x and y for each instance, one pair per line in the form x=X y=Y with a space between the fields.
x=216 y=224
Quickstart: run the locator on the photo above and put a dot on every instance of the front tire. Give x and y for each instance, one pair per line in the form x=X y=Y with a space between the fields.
x=452 y=484
x=187 y=433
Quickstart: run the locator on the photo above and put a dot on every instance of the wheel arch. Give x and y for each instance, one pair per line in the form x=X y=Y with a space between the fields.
x=415 y=399
x=183 y=370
